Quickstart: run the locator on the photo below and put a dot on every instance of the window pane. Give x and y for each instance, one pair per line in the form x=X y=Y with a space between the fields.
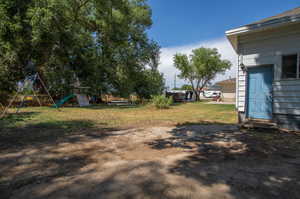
x=289 y=66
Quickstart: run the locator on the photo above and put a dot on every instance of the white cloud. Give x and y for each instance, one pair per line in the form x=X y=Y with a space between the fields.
x=223 y=46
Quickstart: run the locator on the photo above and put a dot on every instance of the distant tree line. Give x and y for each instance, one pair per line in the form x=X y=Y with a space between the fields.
x=184 y=87
x=103 y=44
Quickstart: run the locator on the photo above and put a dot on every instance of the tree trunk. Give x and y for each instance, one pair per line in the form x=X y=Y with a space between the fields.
x=197 y=96
x=197 y=91
x=194 y=90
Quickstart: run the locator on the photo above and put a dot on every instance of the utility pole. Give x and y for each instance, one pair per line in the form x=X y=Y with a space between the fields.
x=175 y=81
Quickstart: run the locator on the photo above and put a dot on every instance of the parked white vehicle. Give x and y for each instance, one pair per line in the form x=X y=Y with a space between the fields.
x=211 y=94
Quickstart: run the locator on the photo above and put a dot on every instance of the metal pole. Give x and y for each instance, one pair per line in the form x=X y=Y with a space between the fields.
x=34 y=93
x=21 y=105
x=36 y=97
x=175 y=81
x=9 y=105
x=47 y=91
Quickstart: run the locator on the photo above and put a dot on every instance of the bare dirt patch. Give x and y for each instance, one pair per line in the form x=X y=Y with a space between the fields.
x=186 y=161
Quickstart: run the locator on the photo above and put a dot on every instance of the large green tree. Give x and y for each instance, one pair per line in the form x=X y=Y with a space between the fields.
x=200 y=67
x=100 y=43
x=149 y=83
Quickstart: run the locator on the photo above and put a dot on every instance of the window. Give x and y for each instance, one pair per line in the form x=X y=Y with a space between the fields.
x=290 y=66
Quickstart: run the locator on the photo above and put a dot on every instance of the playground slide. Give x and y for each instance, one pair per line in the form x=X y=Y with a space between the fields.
x=64 y=100
x=82 y=100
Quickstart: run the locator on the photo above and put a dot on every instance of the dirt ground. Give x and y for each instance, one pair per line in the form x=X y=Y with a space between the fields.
x=187 y=161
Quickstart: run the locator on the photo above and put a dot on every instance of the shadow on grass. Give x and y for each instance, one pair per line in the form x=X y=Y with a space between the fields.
x=178 y=104
x=48 y=132
x=12 y=118
x=108 y=107
x=39 y=150
x=42 y=153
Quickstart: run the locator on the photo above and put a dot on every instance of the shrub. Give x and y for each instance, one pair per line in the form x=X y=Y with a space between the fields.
x=161 y=101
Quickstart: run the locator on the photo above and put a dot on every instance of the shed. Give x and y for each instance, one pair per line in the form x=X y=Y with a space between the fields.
x=268 y=76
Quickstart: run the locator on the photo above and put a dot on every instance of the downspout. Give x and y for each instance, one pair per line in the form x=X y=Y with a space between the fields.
x=237 y=76
x=237 y=84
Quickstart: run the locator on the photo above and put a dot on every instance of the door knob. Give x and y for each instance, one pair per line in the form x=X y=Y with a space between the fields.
x=271 y=95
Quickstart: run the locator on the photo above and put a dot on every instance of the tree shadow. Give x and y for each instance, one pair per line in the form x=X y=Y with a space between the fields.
x=254 y=164
x=128 y=181
x=47 y=150
x=221 y=161
x=138 y=184
x=108 y=107
x=12 y=118
x=50 y=132
x=178 y=104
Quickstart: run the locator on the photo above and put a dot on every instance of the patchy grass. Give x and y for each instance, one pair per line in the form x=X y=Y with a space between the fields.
x=40 y=125
x=120 y=117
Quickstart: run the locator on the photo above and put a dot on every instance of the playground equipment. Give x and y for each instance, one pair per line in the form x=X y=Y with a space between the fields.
x=27 y=92
x=81 y=96
x=27 y=86
x=1 y=107
x=79 y=93
x=63 y=101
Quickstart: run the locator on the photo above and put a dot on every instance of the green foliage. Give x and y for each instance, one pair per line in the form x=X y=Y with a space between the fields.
x=186 y=87
x=200 y=67
x=162 y=102
x=150 y=82
x=100 y=43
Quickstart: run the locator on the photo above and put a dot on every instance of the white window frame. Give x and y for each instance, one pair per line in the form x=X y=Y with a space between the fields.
x=298 y=66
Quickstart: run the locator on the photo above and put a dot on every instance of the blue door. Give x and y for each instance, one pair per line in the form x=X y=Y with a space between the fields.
x=260 y=100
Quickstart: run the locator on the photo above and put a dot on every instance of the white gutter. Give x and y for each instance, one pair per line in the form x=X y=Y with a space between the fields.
x=233 y=34
x=263 y=25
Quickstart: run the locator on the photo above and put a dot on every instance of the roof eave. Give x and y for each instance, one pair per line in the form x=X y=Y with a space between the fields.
x=233 y=33
x=267 y=24
x=233 y=39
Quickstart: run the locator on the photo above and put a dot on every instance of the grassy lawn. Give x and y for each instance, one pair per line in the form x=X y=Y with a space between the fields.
x=120 y=117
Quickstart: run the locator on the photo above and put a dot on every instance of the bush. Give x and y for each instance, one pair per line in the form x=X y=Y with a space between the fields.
x=161 y=101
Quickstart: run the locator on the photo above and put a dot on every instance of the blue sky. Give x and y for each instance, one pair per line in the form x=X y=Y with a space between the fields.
x=181 y=25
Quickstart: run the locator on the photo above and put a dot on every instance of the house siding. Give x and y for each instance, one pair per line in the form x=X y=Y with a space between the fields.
x=267 y=48
x=286 y=97
x=287 y=121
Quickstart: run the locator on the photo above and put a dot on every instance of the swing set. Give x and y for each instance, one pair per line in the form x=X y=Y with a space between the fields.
x=28 y=85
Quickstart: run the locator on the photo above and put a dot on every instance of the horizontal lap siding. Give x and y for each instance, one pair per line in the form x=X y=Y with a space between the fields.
x=271 y=47
x=286 y=97
x=288 y=121
x=267 y=48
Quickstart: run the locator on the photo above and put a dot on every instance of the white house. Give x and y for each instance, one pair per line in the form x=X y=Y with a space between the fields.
x=228 y=88
x=268 y=77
